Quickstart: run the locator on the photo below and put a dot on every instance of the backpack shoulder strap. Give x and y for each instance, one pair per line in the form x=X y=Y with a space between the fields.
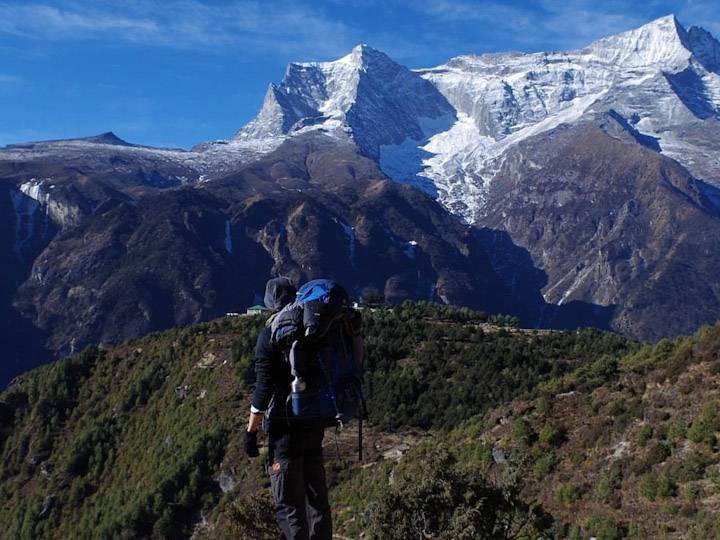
x=271 y=318
x=353 y=322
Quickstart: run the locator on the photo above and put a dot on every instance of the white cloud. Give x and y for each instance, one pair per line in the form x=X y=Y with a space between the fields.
x=280 y=26
x=306 y=31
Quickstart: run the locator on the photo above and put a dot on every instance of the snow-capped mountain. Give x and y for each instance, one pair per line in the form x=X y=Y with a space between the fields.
x=447 y=129
x=662 y=79
x=575 y=188
x=364 y=96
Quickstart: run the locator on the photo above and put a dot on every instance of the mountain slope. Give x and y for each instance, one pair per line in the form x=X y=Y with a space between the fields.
x=606 y=439
x=662 y=79
x=624 y=449
x=143 y=440
x=612 y=222
x=309 y=209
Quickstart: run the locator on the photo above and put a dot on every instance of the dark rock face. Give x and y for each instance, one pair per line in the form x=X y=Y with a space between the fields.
x=312 y=208
x=612 y=222
x=24 y=231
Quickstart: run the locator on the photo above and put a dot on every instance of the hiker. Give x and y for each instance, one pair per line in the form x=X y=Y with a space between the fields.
x=295 y=422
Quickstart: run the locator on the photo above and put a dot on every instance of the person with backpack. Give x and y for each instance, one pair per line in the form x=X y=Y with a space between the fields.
x=307 y=363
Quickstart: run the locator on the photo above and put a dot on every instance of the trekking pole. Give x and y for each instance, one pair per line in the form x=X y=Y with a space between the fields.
x=360 y=439
x=362 y=406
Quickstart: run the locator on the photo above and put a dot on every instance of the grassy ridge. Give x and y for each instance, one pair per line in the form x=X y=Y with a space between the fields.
x=136 y=441
x=618 y=448
x=123 y=442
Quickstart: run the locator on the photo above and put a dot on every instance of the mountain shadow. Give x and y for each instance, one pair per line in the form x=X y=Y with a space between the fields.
x=690 y=88
x=24 y=232
x=514 y=265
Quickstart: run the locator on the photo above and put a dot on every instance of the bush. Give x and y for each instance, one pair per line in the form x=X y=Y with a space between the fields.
x=576 y=456
x=524 y=433
x=677 y=432
x=544 y=465
x=655 y=455
x=604 y=528
x=692 y=467
x=645 y=434
x=654 y=486
x=543 y=405
x=250 y=517
x=609 y=483
x=649 y=486
x=552 y=436
x=568 y=493
x=436 y=498
x=703 y=428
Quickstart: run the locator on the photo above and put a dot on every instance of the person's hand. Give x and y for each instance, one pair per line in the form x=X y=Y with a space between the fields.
x=250 y=444
x=254 y=422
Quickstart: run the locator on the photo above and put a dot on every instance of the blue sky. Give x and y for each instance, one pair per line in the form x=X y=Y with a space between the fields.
x=178 y=72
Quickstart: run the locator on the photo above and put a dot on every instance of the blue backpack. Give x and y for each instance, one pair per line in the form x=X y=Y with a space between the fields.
x=320 y=335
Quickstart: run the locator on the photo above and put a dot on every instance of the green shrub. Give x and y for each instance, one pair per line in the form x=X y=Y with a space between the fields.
x=544 y=465
x=604 y=528
x=677 y=432
x=645 y=434
x=649 y=486
x=655 y=485
x=250 y=517
x=568 y=493
x=714 y=477
x=436 y=498
x=576 y=456
x=703 y=427
x=524 y=433
x=672 y=508
x=655 y=455
x=543 y=406
x=552 y=436
x=609 y=483
x=692 y=467
x=691 y=493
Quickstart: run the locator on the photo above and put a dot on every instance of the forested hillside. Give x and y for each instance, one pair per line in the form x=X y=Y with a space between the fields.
x=143 y=440
x=614 y=449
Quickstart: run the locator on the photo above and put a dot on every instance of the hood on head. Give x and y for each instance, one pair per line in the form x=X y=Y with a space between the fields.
x=279 y=292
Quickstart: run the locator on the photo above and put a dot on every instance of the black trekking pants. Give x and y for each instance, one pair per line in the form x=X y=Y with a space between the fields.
x=297 y=479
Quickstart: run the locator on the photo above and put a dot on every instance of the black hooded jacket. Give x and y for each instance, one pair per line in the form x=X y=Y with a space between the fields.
x=272 y=370
x=273 y=376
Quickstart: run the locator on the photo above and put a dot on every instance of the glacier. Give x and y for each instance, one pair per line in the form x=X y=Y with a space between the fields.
x=450 y=138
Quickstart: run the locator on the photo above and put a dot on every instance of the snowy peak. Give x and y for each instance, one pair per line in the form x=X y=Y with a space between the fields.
x=362 y=57
x=447 y=129
x=313 y=93
x=364 y=95
x=661 y=44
